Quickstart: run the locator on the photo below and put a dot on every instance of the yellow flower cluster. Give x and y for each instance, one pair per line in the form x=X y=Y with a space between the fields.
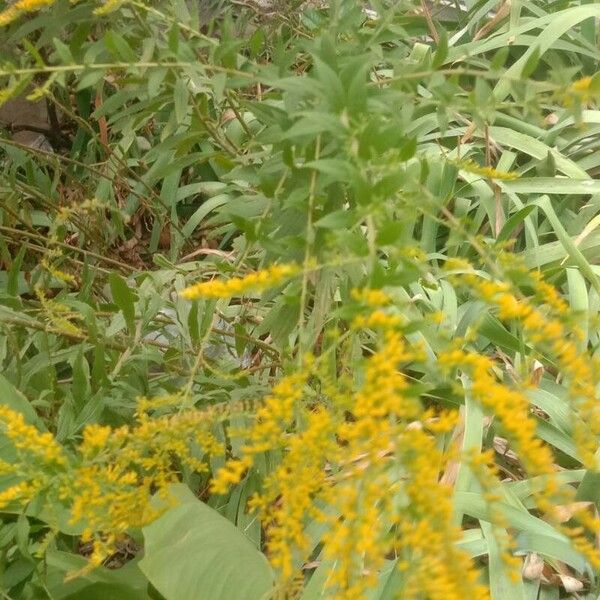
x=426 y=535
x=20 y=7
x=545 y=322
x=391 y=442
x=581 y=85
x=509 y=406
x=39 y=456
x=298 y=480
x=550 y=331
x=108 y=6
x=108 y=483
x=22 y=492
x=580 y=92
x=256 y=282
x=339 y=454
x=272 y=421
x=95 y=438
x=29 y=441
x=15 y=10
x=377 y=319
x=371 y=297
x=341 y=442
x=470 y=166
x=58 y=315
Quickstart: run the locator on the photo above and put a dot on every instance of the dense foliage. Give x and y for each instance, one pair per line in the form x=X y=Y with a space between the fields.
x=299 y=300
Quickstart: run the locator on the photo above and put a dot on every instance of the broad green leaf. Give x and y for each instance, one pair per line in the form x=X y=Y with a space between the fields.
x=189 y=556
x=13 y=398
x=125 y=583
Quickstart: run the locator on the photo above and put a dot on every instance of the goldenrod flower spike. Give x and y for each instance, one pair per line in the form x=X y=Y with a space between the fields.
x=258 y=281
x=22 y=6
x=13 y=12
x=470 y=166
x=581 y=91
x=108 y=7
x=371 y=297
x=29 y=440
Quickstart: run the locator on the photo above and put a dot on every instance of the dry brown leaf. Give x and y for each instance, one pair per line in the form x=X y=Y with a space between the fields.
x=468 y=133
x=565 y=512
x=533 y=566
x=228 y=115
x=501 y=447
x=502 y=13
x=537 y=373
x=570 y=583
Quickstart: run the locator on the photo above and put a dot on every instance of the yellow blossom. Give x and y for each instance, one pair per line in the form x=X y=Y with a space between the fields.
x=95 y=437
x=258 y=281
x=472 y=167
x=268 y=431
x=371 y=297
x=28 y=439
x=108 y=6
x=22 y=6
x=20 y=491
x=580 y=91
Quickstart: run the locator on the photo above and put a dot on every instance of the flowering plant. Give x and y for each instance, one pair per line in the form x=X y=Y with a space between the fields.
x=301 y=304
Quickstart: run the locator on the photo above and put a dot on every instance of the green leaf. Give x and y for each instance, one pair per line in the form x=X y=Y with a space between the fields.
x=63 y=51
x=189 y=556
x=589 y=489
x=15 y=273
x=202 y=211
x=125 y=583
x=472 y=440
x=556 y=25
x=492 y=329
x=531 y=63
x=119 y=47
x=441 y=52
x=389 y=232
x=337 y=169
x=13 y=398
x=124 y=298
x=513 y=222
x=408 y=149
x=89 y=79
x=501 y=585
x=552 y=185
x=180 y=98
x=572 y=250
x=536 y=149
x=336 y=220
